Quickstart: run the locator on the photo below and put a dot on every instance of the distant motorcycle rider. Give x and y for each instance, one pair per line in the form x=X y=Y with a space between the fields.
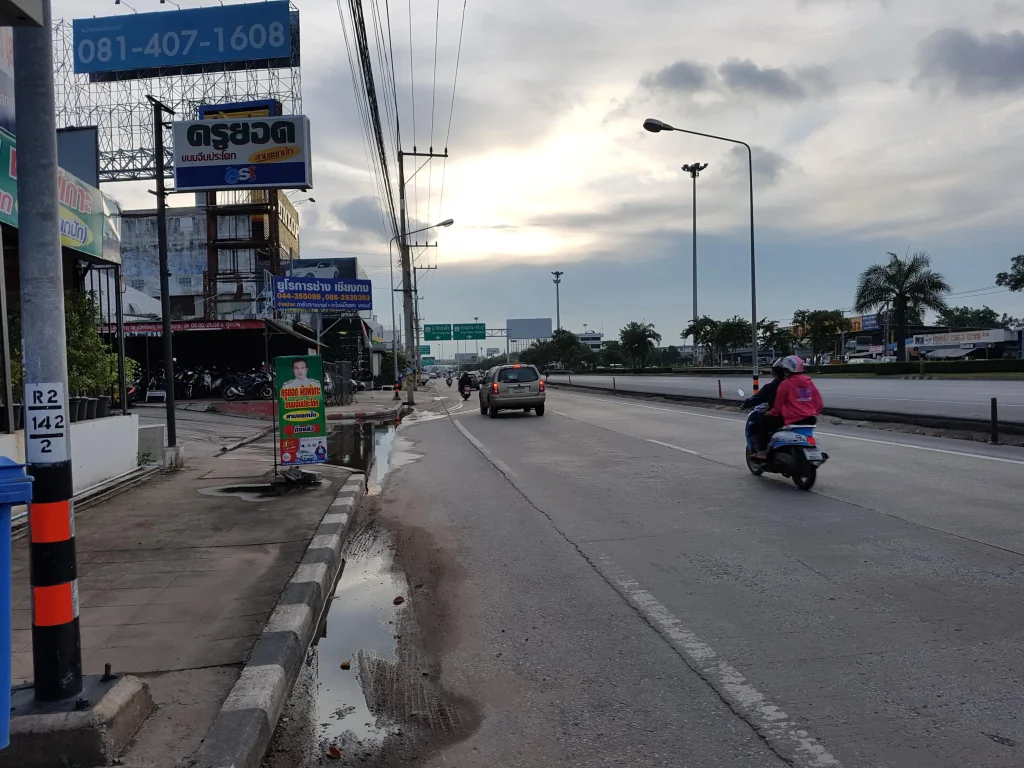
x=465 y=381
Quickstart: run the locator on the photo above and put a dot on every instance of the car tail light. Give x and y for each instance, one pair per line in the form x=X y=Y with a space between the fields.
x=494 y=387
x=811 y=440
x=542 y=386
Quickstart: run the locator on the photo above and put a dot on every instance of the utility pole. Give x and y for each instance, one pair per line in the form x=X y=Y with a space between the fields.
x=477 y=319
x=165 y=290
x=558 y=306
x=694 y=170
x=53 y=569
x=407 y=271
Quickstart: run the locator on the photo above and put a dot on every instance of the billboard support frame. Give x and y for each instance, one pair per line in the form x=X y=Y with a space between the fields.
x=127 y=152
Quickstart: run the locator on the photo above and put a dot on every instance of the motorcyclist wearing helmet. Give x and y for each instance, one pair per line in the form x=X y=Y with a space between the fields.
x=797 y=401
x=464 y=381
x=767 y=393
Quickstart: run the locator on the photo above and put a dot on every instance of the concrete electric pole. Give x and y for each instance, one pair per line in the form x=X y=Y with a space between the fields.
x=56 y=640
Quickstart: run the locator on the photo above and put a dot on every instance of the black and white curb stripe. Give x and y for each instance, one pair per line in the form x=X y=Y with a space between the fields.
x=242 y=731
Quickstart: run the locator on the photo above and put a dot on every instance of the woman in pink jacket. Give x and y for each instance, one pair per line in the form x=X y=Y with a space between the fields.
x=797 y=401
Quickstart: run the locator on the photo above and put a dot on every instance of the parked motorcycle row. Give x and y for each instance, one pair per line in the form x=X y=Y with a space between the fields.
x=254 y=384
x=196 y=383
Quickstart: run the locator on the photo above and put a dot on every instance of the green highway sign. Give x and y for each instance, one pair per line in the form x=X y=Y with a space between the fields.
x=424 y=349
x=469 y=331
x=427 y=361
x=437 y=332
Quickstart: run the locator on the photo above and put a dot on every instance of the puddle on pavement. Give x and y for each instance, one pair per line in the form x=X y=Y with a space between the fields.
x=251 y=491
x=366 y=447
x=383 y=708
x=361 y=629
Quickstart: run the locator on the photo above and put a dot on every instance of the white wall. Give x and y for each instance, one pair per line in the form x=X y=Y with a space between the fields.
x=13 y=446
x=103 y=448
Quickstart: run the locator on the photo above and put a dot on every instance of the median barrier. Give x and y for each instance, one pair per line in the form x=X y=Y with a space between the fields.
x=851 y=414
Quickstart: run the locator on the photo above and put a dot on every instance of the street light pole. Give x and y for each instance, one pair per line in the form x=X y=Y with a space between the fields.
x=558 y=306
x=165 y=272
x=656 y=126
x=694 y=170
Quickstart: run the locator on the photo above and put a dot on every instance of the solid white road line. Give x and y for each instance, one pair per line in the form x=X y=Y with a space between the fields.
x=784 y=736
x=925 y=448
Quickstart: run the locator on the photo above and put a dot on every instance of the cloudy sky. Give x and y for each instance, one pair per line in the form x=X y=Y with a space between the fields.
x=876 y=125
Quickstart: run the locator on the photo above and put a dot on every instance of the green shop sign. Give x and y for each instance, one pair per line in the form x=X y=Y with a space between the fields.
x=301 y=414
x=82 y=216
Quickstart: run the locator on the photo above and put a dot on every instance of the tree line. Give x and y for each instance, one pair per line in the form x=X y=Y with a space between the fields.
x=898 y=291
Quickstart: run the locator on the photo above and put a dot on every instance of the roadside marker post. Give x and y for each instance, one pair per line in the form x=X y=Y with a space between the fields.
x=995 y=422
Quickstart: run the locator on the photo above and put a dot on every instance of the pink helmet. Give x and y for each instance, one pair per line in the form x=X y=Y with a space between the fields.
x=793 y=364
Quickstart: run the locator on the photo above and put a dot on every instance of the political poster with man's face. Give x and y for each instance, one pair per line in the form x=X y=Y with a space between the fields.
x=301 y=411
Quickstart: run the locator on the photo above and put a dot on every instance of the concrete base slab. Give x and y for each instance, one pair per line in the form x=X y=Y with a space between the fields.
x=59 y=733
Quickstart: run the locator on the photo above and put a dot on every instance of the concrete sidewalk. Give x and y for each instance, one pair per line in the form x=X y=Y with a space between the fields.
x=175 y=585
x=370 y=404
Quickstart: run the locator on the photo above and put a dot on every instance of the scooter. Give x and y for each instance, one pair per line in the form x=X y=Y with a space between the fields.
x=448 y=380
x=793 y=451
x=465 y=392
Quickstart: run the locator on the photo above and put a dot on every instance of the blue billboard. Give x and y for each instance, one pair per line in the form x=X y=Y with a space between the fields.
x=321 y=294
x=177 y=40
x=869 y=322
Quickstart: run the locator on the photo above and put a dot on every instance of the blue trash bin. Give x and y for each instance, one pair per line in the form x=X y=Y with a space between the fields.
x=15 y=488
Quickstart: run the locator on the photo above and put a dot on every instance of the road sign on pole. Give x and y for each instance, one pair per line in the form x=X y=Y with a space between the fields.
x=469 y=331
x=424 y=348
x=437 y=332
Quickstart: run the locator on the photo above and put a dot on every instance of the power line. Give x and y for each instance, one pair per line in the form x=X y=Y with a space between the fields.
x=362 y=107
x=412 y=95
x=451 y=112
x=433 y=94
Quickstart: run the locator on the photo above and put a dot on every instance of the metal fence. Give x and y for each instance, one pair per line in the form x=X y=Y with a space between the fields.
x=338 y=387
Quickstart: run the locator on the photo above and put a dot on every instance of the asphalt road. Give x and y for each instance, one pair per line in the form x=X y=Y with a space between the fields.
x=622 y=592
x=968 y=398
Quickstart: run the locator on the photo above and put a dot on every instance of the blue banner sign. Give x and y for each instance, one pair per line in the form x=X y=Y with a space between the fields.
x=322 y=294
x=869 y=322
x=142 y=41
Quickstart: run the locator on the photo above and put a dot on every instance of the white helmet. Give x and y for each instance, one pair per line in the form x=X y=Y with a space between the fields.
x=792 y=363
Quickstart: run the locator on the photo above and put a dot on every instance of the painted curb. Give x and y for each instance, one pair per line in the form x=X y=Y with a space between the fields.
x=241 y=734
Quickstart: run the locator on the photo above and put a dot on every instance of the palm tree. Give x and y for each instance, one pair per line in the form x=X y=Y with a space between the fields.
x=905 y=287
x=638 y=339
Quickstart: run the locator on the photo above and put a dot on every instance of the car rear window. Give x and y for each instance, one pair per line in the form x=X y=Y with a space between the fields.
x=517 y=374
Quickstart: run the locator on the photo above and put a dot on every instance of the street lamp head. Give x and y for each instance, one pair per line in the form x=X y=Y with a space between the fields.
x=656 y=126
x=446 y=223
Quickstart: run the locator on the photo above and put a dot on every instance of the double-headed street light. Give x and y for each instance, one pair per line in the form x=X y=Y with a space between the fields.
x=394 y=328
x=694 y=170
x=656 y=126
